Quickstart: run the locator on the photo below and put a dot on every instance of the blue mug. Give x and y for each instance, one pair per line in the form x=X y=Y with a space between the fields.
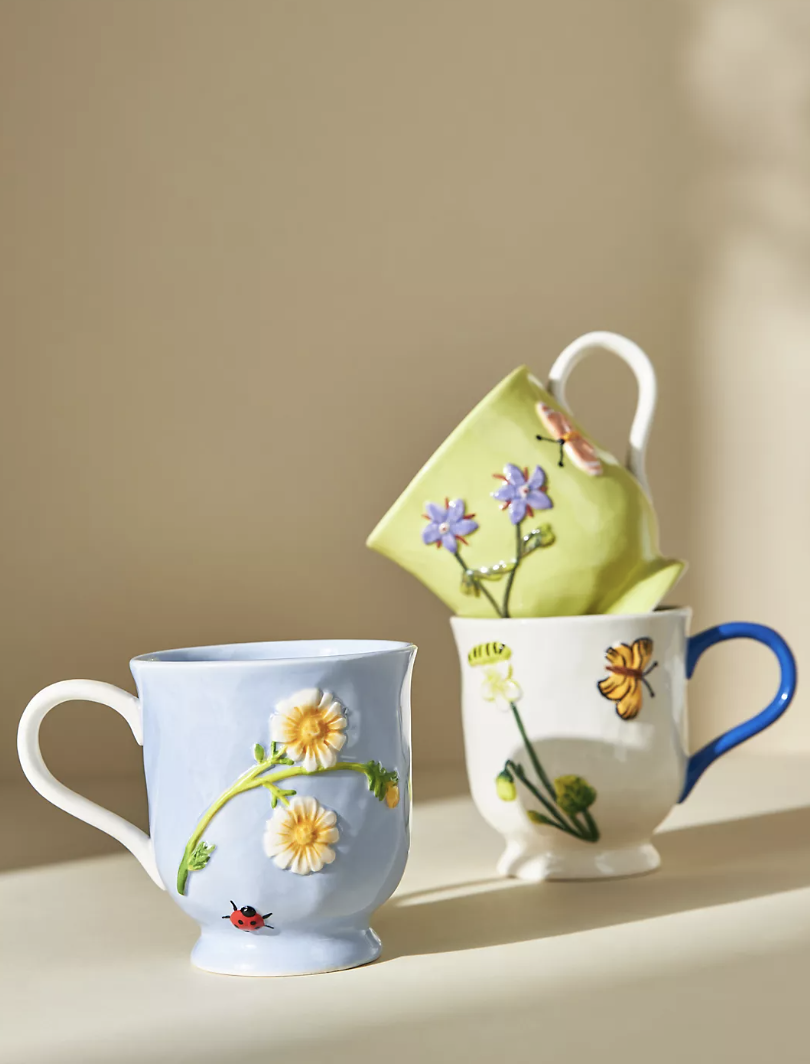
x=278 y=777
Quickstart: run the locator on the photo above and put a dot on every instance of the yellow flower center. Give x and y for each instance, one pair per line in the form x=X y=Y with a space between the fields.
x=305 y=834
x=312 y=727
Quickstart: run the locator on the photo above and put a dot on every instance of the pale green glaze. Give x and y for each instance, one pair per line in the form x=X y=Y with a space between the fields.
x=605 y=558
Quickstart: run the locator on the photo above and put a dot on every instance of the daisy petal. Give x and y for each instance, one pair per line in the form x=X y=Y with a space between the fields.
x=295 y=751
x=327 y=854
x=278 y=729
x=330 y=835
x=305 y=804
x=309 y=696
x=327 y=756
x=300 y=864
x=333 y=717
x=328 y=818
x=337 y=740
x=310 y=761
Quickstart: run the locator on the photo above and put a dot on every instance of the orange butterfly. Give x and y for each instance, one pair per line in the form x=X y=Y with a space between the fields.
x=629 y=666
x=581 y=451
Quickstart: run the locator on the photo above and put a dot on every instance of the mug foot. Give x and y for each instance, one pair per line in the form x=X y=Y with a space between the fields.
x=278 y=953
x=532 y=867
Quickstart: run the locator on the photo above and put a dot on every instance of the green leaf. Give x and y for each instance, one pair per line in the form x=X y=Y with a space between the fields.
x=494 y=572
x=379 y=778
x=284 y=761
x=258 y=752
x=538 y=537
x=200 y=856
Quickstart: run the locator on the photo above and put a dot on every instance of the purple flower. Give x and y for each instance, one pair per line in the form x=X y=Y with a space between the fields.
x=447 y=524
x=520 y=493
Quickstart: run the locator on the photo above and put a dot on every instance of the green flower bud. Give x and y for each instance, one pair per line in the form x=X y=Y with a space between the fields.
x=574 y=794
x=505 y=786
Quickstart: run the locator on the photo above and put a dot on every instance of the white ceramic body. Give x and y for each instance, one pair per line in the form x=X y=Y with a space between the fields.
x=637 y=767
x=199 y=714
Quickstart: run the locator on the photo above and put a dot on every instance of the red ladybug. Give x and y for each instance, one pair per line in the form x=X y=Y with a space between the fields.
x=247 y=919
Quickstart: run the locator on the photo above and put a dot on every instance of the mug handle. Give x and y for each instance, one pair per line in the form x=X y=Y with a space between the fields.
x=136 y=841
x=639 y=363
x=696 y=645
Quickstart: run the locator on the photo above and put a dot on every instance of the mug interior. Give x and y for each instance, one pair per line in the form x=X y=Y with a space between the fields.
x=287 y=650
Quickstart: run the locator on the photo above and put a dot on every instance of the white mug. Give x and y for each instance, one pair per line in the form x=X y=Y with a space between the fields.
x=575 y=733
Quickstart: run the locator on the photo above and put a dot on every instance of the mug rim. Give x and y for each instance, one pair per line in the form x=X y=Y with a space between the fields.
x=575 y=618
x=363 y=649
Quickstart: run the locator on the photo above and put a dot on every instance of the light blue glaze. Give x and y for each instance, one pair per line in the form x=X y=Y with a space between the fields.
x=204 y=709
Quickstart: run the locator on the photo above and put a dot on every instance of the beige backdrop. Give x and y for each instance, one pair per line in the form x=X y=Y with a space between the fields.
x=259 y=258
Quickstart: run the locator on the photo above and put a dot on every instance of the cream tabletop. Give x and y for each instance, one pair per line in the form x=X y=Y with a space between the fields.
x=707 y=959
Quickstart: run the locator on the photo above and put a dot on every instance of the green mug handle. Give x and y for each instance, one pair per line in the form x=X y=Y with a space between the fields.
x=642 y=368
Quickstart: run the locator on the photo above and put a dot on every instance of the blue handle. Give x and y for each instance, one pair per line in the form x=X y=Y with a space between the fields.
x=699 y=762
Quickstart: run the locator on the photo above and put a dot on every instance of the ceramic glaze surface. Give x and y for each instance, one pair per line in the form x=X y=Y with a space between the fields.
x=575 y=734
x=207 y=725
x=600 y=550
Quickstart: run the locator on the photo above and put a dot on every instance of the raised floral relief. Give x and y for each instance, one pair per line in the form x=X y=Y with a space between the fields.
x=566 y=801
x=311 y=726
x=307 y=733
x=299 y=835
x=521 y=495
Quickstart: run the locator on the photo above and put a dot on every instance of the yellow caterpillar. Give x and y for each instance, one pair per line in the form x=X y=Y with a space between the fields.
x=489 y=654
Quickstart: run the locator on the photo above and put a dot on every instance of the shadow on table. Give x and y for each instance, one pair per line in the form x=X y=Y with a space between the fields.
x=702 y=866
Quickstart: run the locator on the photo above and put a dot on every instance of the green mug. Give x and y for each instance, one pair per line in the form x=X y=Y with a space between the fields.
x=562 y=529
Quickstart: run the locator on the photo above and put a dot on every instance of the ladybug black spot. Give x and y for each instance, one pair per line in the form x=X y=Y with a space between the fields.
x=240 y=922
x=254 y=923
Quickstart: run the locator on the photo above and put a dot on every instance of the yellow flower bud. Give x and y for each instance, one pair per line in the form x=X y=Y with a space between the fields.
x=392 y=795
x=505 y=786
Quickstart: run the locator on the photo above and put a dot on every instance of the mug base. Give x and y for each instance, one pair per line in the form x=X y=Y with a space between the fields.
x=276 y=953
x=521 y=863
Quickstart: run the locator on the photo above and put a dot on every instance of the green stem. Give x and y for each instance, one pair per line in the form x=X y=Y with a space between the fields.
x=541 y=774
x=553 y=813
x=248 y=781
x=535 y=760
x=479 y=585
x=593 y=829
x=511 y=578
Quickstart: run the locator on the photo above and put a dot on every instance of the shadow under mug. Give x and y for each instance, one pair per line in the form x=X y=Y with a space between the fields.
x=575 y=733
x=279 y=799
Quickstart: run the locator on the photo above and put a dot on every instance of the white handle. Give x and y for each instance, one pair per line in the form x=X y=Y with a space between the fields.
x=639 y=363
x=138 y=843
